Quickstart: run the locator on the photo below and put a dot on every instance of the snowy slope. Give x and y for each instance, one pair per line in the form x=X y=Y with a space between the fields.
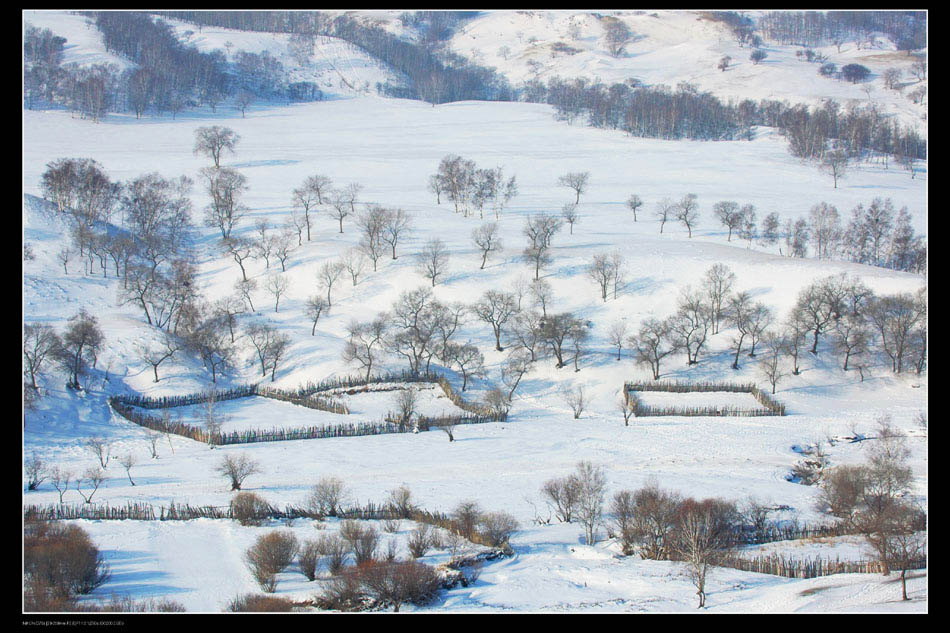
x=669 y=47
x=391 y=147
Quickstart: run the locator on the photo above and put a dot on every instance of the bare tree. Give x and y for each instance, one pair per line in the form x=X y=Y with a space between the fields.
x=60 y=480
x=687 y=212
x=341 y=207
x=543 y=294
x=328 y=275
x=244 y=288
x=316 y=306
x=354 y=262
x=770 y=366
x=627 y=409
x=371 y=224
x=703 y=538
x=907 y=542
x=717 y=284
x=396 y=225
x=214 y=140
x=592 y=488
x=469 y=360
x=576 y=399
x=365 y=342
x=310 y=194
x=851 y=338
x=127 y=462
x=603 y=270
x=81 y=343
x=406 y=401
x=577 y=181
x=433 y=260
x=539 y=229
x=728 y=214
x=652 y=344
x=63 y=256
x=633 y=203
x=225 y=187
x=264 y=246
x=240 y=249
x=487 y=239
x=562 y=495
x=569 y=213
x=40 y=343
x=516 y=365
x=616 y=35
x=94 y=477
x=156 y=355
x=237 y=468
x=278 y=285
x=617 y=334
x=351 y=193
x=495 y=308
x=894 y=319
x=835 y=163
x=664 y=209
x=36 y=472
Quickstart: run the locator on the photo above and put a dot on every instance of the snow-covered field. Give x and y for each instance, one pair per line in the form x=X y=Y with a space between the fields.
x=391 y=147
x=692 y=400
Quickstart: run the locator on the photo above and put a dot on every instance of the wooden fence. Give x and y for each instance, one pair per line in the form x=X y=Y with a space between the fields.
x=788 y=567
x=307 y=396
x=772 y=407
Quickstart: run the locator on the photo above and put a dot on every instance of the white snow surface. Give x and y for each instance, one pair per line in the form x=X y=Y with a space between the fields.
x=391 y=147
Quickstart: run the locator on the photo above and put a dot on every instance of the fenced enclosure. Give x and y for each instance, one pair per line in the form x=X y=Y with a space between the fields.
x=308 y=396
x=788 y=567
x=769 y=405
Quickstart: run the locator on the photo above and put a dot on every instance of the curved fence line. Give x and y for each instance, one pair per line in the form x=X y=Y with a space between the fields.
x=307 y=396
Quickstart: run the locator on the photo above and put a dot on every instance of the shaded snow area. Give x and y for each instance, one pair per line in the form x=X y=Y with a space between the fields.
x=391 y=147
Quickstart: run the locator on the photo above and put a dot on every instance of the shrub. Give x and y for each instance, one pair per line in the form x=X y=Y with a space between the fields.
x=248 y=508
x=256 y=603
x=855 y=72
x=420 y=541
x=327 y=497
x=335 y=549
x=270 y=555
x=128 y=604
x=363 y=540
x=623 y=512
x=562 y=494
x=309 y=559
x=391 y=526
x=36 y=472
x=497 y=527
x=400 y=499
x=343 y=592
x=62 y=560
x=40 y=596
x=396 y=583
x=466 y=515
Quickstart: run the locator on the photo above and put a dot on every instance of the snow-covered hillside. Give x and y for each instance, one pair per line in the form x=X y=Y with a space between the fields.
x=670 y=47
x=391 y=147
